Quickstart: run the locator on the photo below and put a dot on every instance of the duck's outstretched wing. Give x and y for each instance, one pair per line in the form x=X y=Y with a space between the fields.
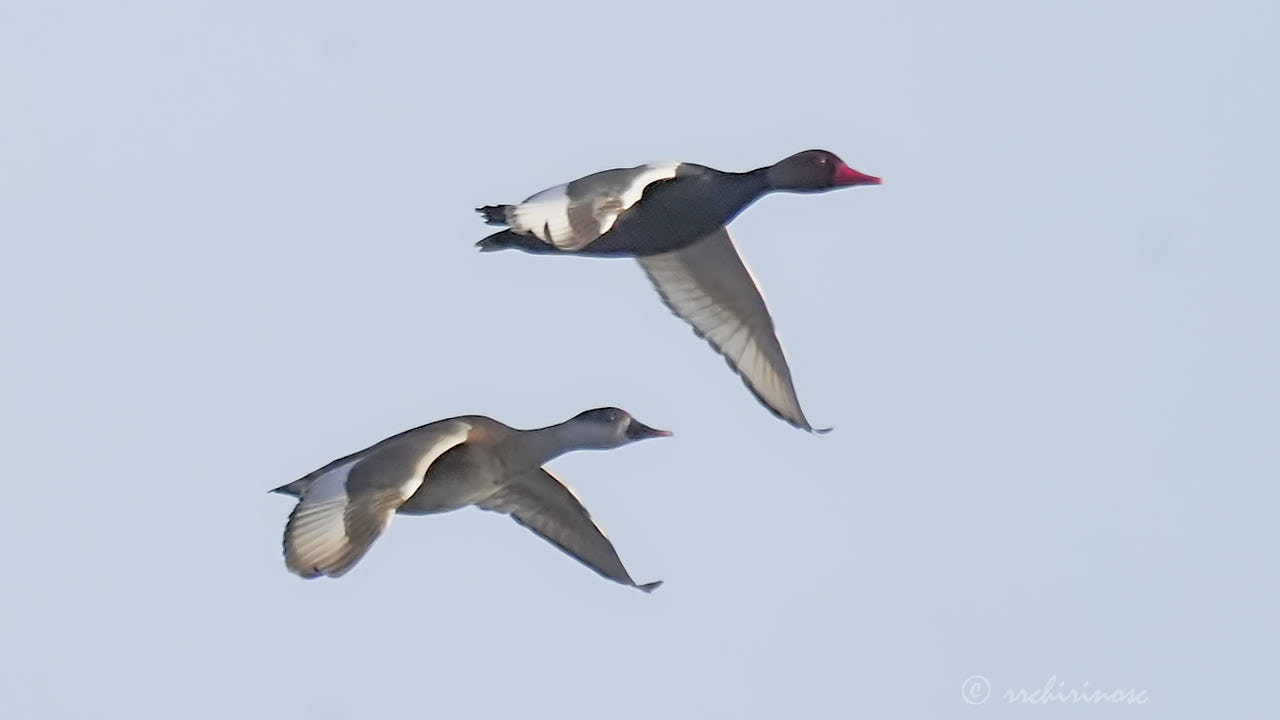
x=540 y=502
x=571 y=216
x=346 y=507
x=709 y=286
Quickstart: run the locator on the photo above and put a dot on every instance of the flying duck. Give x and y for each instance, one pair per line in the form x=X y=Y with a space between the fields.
x=450 y=464
x=671 y=217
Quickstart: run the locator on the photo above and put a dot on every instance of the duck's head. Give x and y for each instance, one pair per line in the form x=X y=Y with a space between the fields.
x=815 y=171
x=611 y=427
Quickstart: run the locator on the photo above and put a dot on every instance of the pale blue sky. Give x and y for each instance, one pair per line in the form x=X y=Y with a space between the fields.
x=238 y=244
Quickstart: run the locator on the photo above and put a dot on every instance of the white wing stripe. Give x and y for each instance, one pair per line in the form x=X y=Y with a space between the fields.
x=632 y=193
x=319 y=538
x=544 y=215
x=572 y=216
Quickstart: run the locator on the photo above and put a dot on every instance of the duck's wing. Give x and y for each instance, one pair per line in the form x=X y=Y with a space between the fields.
x=709 y=286
x=571 y=216
x=548 y=507
x=343 y=510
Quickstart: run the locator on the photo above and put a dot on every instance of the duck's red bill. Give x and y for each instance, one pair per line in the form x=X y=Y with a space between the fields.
x=846 y=175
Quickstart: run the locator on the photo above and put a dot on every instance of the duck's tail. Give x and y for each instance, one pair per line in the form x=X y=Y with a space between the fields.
x=494 y=214
x=498 y=241
x=504 y=239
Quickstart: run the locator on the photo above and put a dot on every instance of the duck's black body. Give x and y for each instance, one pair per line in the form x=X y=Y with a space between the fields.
x=672 y=217
x=674 y=214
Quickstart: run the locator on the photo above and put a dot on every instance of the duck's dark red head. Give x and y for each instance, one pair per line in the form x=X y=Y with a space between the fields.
x=815 y=171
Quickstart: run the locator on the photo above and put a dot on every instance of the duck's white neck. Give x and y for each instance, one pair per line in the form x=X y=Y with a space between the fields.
x=534 y=448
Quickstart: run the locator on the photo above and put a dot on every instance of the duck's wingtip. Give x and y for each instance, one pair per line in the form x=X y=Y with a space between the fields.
x=821 y=431
x=650 y=586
